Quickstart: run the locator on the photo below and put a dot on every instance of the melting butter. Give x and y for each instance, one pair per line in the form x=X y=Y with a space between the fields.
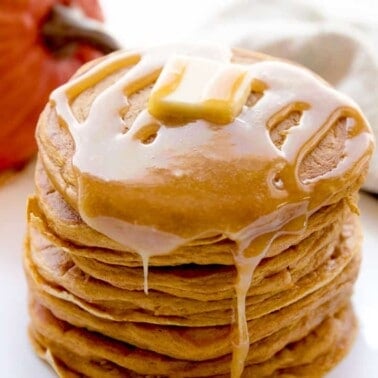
x=192 y=88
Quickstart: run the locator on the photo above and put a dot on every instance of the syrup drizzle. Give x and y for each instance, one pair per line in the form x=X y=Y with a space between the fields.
x=145 y=259
x=128 y=190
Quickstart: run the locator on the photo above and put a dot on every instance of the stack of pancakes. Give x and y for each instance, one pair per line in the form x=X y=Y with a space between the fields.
x=91 y=315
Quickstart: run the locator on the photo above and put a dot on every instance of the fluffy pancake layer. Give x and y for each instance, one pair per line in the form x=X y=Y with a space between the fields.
x=297 y=303
x=76 y=351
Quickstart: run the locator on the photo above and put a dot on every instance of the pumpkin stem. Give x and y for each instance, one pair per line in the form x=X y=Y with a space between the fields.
x=65 y=27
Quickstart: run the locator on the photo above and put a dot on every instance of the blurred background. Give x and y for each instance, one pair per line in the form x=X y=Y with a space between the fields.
x=148 y=21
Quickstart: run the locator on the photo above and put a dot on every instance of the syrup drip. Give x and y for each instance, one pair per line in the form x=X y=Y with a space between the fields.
x=241 y=185
x=292 y=221
x=145 y=259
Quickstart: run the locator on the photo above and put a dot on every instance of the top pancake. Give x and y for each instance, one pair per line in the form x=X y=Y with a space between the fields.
x=195 y=195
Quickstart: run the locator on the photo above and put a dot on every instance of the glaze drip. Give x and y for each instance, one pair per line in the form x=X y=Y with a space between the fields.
x=197 y=179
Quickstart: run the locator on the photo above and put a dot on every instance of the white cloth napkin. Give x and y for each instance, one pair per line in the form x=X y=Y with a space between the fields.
x=337 y=42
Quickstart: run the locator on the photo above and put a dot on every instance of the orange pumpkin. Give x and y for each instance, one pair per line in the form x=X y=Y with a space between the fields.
x=42 y=43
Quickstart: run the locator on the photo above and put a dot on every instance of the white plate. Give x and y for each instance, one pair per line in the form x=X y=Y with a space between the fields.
x=18 y=360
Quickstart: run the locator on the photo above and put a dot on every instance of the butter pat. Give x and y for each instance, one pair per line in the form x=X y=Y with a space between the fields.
x=190 y=88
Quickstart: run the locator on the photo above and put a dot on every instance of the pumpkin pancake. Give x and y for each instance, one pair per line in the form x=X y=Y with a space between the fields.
x=195 y=215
